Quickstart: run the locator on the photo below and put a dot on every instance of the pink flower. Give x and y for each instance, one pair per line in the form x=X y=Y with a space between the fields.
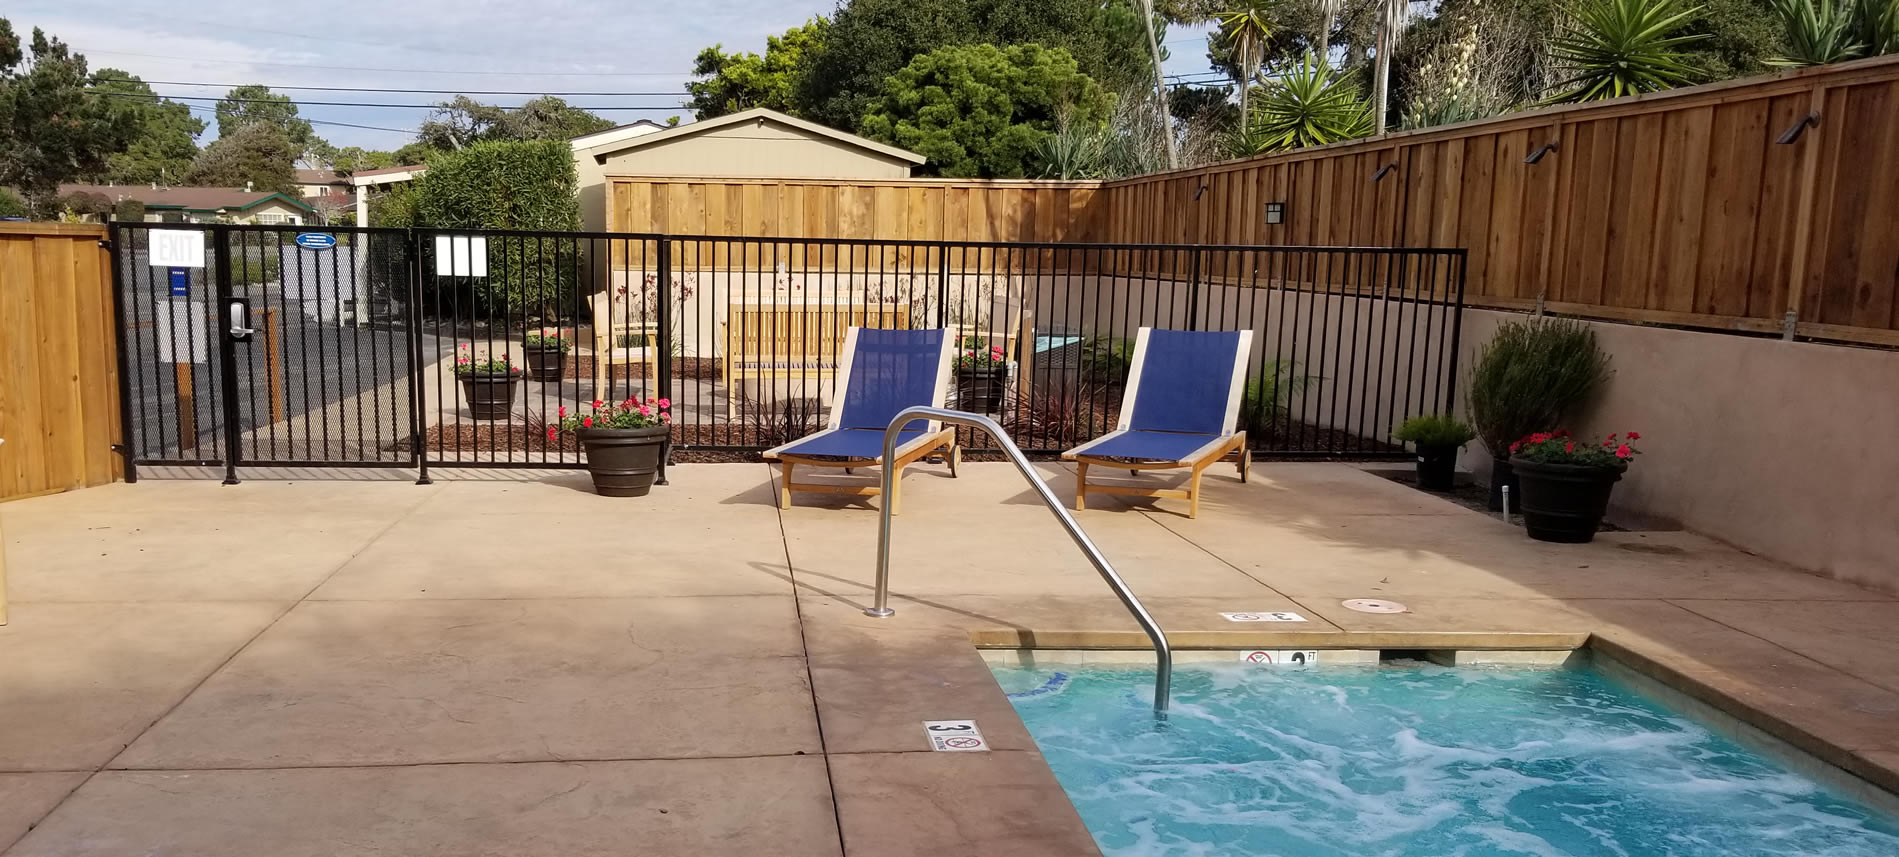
x=563 y=412
x=1569 y=447
x=665 y=403
x=665 y=418
x=1623 y=451
x=598 y=402
x=1634 y=436
x=551 y=431
x=586 y=422
x=645 y=411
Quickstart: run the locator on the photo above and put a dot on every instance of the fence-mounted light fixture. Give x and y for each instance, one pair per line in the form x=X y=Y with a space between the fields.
x=1542 y=150
x=1798 y=128
x=1275 y=212
x=1198 y=191
x=1382 y=171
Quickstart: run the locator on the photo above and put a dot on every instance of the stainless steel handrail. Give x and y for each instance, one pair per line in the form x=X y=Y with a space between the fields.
x=1163 y=655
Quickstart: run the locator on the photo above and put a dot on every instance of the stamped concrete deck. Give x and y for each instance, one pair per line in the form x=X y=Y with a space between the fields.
x=524 y=668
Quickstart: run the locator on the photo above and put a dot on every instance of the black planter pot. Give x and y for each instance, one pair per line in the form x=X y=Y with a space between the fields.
x=1500 y=476
x=1564 y=502
x=1437 y=467
x=491 y=396
x=979 y=388
x=545 y=362
x=624 y=462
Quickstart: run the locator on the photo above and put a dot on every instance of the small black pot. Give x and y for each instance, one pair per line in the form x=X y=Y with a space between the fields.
x=979 y=388
x=1501 y=476
x=1564 y=502
x=490 y=396
x=624 y=462
x=545 y=362
x=1437 y=467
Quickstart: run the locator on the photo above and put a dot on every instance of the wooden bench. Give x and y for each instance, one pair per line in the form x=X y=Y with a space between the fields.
x=614 y=327
x=793 y=340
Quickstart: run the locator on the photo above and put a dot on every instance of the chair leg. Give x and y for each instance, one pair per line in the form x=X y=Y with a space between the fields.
x=1081 y=486
x=1193 y=493
x=784 y=485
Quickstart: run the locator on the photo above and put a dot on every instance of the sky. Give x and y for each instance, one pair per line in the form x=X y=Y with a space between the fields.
x=618 y=46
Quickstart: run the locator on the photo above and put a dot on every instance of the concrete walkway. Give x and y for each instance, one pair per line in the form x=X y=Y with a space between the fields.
x=525 y=668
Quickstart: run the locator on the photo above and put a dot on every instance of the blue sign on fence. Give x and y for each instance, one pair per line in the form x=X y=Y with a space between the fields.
x=180 y=282
x=315 y=241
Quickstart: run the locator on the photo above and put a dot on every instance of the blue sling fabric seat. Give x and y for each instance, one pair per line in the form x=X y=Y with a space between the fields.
x=882 y=372
x=1179 y=409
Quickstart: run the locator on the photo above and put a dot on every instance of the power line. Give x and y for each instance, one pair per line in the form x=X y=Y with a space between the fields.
x=214 y=111
x=397 y=70
x=366 y=103
x=96 y=79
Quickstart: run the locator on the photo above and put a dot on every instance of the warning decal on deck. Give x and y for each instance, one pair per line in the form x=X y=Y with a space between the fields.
x=954 y=736
x=1271 y=616
x=1307 y=657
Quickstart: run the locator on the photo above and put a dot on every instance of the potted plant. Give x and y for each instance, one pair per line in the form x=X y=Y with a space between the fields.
x=546 y=353
x=1532 y=374
x=980 y=371
x=624 y=443
x=1566 y=482
x=1437 y=439
x=487 y=384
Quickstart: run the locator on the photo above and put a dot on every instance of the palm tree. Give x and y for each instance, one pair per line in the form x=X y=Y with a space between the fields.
x=1612 y=48
x=1395 y=18
x=1246 y=30
x=1160 y=83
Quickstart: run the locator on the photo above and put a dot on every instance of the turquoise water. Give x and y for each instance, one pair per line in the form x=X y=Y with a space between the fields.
x=1414 y=760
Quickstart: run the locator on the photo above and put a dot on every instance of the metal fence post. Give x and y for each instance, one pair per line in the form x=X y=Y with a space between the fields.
x=665 y=263
x=418 y=395
x=1193 y=290
x=1457 y=336
x=227 y=351
x=114 y=247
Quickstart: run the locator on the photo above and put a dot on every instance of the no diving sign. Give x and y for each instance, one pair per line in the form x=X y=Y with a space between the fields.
x=954 y=736
x=1265 y=616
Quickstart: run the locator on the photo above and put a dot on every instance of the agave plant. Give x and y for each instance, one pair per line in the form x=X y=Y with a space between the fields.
x=1818 y=32
x=1612 y=48
x=1877 y=26
x=1306 y=106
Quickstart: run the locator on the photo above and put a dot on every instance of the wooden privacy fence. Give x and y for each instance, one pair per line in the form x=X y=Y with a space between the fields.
x=1721 y=206
x=59 y=375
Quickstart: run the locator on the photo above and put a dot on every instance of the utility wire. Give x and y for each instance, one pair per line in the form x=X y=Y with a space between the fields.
x=214 y=111
x=670 y=94
x=396 y=70
x=365 y=103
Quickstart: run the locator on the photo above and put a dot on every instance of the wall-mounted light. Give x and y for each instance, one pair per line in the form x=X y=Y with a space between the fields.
x=1793 y=133
x=1275 y=212
x=1542 y=150
x=1382 y=171
x=1198 y=191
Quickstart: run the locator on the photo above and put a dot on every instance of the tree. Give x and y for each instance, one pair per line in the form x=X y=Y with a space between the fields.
x=463 y=121
x=869 y=40
x=52 y=128
x=350 y=159
x=1246 y=29
x=256 y=154
x=1612 y=48
x=166 y=140
x=503 y=184
x=11 y=205
x=740 y=81
x=255 y=103
x=1308 y=105
x=981 y=110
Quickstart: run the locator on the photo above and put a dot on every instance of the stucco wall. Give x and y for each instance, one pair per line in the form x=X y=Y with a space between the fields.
x=1780 y=448
x=756 y=149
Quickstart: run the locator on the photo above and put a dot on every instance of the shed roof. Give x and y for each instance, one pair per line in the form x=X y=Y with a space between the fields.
x=186 y=198
x=602 y=151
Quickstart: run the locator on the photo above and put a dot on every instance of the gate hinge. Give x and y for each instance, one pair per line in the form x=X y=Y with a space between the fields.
x=1787 y=324
x=105 y=244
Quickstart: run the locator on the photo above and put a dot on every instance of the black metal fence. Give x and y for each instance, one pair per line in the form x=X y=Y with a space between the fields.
x=363 y=349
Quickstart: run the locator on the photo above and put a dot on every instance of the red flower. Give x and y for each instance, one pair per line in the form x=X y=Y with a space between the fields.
x=1634 y=436
x=665 y=403
x=587 y=422
x=1569 y=447
x=1562 y=433
x=1612 y=436
x=1513 y=446
x=1623 y=451
x=563 y=412
x=551 y=431
x=598 y=402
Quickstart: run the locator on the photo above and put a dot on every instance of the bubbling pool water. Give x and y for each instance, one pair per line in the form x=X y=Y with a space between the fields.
x=1414 y=760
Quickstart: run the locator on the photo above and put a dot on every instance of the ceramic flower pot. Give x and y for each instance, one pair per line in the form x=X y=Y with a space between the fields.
x=624 y=462
x=1437 y=467
x=1564 y=502
x=979 y=388
x=490 y=395
x=545 y=362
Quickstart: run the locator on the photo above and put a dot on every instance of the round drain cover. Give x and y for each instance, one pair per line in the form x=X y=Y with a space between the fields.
x=1373 y=605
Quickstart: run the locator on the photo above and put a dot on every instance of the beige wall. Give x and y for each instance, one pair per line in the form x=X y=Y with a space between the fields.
x=756 y=149
x=1781 y=448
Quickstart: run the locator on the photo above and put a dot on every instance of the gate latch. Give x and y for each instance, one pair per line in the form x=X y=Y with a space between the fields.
x=240 y=314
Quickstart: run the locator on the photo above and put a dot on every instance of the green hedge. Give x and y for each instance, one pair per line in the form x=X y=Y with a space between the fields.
x=526 y=185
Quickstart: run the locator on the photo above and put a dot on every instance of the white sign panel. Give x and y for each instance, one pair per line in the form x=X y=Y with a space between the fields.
x=461 y=256
x=182 y=333
x=1304 y=658
x=1272 y=616
x=954 y=736
x=177 y=248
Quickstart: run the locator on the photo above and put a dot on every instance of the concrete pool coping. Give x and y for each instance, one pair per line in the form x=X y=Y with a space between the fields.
x=194 y=657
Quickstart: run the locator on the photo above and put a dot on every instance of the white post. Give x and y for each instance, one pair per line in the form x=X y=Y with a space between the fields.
x=361 y=250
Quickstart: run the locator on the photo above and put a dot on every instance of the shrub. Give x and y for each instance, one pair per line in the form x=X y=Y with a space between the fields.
x=11 y=205
x=1264 y=404
x=526 y=185
x=1612 y=48
x=129 y=211
x=1105 y=360
x=546 y=339
x=1434 y=430
x=774 y=423
x=254 y=270
x=1059 y=415
x=1531 y=375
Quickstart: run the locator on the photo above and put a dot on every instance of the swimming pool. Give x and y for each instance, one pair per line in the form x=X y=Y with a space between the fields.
x=1406 y=758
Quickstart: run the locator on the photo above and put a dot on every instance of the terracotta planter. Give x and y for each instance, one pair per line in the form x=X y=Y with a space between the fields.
x=979 y=388
x=1437 y=467
x=624 y=462
x=490 y=396
x=545 y=362
x=1564 y=502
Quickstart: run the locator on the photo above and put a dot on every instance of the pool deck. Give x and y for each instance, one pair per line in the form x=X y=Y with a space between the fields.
x=505 y=663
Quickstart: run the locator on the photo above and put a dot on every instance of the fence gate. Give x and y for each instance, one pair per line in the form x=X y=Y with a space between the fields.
x=252 y=346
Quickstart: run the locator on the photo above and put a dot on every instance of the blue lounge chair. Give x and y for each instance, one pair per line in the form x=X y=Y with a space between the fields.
x=1179 y=409
x=882 y=372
